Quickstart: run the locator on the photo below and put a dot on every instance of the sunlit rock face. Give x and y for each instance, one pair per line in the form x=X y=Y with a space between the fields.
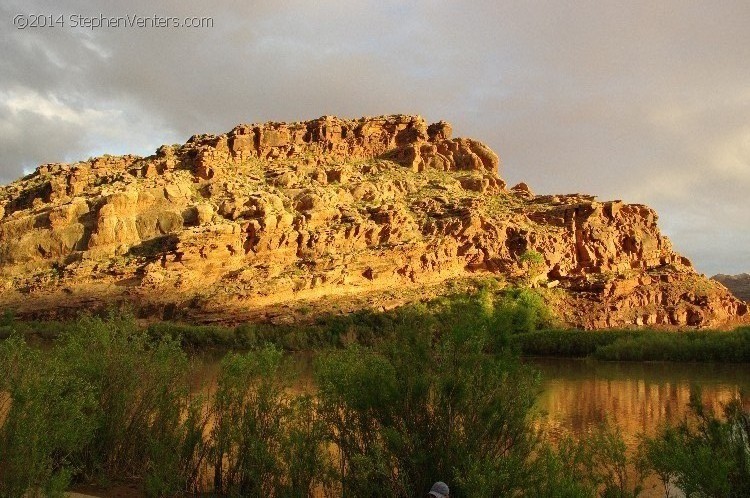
x=329 y=215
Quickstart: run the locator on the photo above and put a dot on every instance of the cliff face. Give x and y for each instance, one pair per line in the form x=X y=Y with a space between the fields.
x=329 y=215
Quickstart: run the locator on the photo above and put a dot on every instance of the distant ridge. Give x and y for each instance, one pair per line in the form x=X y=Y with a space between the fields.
x=739 y=285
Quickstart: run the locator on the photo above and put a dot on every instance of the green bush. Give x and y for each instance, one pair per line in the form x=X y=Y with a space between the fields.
x=685 y=346
x=7 y=318
x=141 y=386
x=522 y=310
x=46 y=421
x=198 y=336
x=264 y=442
x=533 y=264
x=704 y=455
x=104 y=403
x=638 y=345
x=566 y=343
x=597 y=464
x=426 y=392
x=430 y=403
x=515 y=310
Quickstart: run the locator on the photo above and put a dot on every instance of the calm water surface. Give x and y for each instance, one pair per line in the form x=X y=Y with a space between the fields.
x=577 y=395
x=639 y=396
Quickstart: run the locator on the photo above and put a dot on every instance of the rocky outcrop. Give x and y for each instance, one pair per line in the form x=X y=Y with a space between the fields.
x=739 y=285
x=329 y=215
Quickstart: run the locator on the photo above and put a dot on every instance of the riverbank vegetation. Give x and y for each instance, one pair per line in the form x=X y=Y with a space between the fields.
x=639 y=345
x=422 y=394
x=519 y=315
x=514 y=311
x=706 y=454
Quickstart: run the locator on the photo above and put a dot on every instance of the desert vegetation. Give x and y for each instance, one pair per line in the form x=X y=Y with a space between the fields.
x=431 y=391
x=639 y=344
x=520 y=316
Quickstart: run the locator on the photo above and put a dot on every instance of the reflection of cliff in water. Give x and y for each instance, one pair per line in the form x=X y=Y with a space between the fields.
x=576 y=395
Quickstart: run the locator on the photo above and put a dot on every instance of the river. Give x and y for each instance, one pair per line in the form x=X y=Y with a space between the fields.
x=577 y=395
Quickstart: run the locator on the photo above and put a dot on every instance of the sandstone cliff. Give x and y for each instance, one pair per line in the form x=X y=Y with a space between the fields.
x=329 y=215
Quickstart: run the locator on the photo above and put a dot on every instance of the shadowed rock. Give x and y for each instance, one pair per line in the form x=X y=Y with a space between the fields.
x=333 y=213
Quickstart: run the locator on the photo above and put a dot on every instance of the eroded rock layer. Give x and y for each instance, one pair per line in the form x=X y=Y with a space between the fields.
x=276 y=216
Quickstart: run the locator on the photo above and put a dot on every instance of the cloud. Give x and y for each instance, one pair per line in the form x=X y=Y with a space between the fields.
x=647 y=102
x=40 y=128
x=47 y=107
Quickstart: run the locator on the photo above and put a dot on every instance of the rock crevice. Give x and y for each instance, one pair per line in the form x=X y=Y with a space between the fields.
x=249 y=222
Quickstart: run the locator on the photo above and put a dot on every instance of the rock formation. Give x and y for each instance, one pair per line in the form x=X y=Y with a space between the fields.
x=327 y=215
x=739 y=285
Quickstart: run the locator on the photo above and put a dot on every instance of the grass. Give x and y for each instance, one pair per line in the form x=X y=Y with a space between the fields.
x=520 y=316
x=515 y=311
x=566 y=343
x=639 y=345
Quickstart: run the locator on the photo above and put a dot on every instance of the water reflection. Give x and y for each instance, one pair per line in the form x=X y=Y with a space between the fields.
x=640 y=397
x=577 y=395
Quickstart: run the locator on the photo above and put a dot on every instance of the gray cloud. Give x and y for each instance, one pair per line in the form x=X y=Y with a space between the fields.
x=648 y=103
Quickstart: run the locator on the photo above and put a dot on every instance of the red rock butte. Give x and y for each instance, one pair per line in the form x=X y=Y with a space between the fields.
x=279 y=221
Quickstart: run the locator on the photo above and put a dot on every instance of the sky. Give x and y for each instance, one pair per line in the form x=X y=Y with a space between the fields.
x=644 y=101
